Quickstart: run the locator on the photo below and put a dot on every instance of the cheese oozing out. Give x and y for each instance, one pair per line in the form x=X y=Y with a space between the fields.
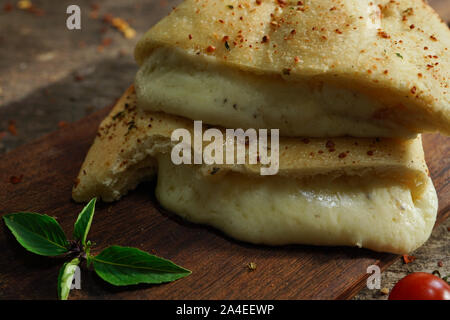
x=200 y=87
x=379 y=214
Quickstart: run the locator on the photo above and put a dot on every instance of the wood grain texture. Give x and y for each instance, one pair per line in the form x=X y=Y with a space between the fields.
x=49 y=166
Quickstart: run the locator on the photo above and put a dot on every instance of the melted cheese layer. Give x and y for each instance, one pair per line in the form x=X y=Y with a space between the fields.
x=198 y=87
x=377 y=214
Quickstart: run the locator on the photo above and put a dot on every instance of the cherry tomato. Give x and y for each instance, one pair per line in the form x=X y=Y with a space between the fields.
x=420 y=286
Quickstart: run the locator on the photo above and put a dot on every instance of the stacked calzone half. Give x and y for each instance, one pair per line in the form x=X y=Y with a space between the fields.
x=317 y=68
x=350 y=84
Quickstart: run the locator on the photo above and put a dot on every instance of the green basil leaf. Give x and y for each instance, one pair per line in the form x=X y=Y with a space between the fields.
x=37 y=233
x=122 y=266
x=65 y=278
x=83 y=223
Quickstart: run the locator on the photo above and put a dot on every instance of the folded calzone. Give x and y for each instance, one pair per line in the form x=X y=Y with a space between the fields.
x=372 y=193
x=314 y=68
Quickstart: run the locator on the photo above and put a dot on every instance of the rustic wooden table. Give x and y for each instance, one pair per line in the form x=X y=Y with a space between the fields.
x=50 y=76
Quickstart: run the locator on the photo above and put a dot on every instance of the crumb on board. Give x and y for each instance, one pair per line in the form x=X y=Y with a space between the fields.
x=384 y=291
x=24 y=4
x=121 y=25
x=27 y=5
x=251 y=266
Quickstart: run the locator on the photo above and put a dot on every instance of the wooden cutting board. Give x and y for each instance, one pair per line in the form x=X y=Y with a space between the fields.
x=47 y=169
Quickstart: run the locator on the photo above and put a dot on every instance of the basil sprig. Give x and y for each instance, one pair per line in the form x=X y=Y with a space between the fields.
x=123 y=266
x=83 y=223
x=38 y=233
x=120 y=266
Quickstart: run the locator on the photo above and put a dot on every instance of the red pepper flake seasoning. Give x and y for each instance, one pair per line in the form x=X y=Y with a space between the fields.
x=383 y=34
x=16 y=180
x=62 y=124
x=265 y=39
x=78 y=77
x=190 y=37
x=8 y=7
x=293 y=32
x=412 y=26
x=370 y=153
x=386 y=71
x=94 y=11
x=282 y=3
x=413 y=90
x=107 y=18
x=211 y=49
x=338 y=31
x=297 y=59
x=332 y=9
x=433 y=38
x=258 y=2
x=425 y=48
x=106 y=42
x=440 y=264
x=225 y=38
x=12 y=127
x=286 y=71
x=408 y=259
x=342 y=155
x=420 y=75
